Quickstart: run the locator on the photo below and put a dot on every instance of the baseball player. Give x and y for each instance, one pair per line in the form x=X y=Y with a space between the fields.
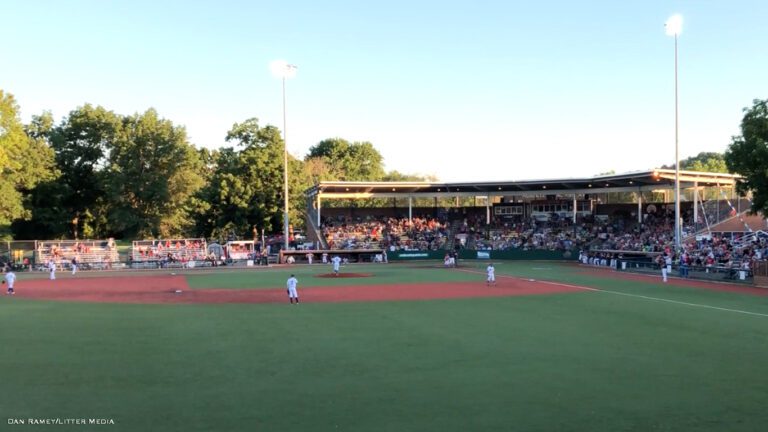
x=336 y=263
x=52 y=268
x=74 y=265
x=292 y=294
x=491 y=272
x=10 y=278
x=666 y=266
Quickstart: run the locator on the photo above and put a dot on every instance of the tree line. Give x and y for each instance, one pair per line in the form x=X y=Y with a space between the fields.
x=99 y=174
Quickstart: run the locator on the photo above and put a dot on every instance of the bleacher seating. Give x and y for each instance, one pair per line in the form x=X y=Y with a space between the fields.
x=350 y=234
x=96 y=254
x=168 y=253
x=418 y=233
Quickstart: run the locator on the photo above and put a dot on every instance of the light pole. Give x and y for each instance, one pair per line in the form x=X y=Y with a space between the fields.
x=283 y=70
x=674 y=26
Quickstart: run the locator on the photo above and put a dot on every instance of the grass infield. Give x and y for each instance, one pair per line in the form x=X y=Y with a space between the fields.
x=635 y=355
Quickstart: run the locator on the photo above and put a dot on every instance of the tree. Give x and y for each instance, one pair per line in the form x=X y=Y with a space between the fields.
x=747 y=155
x=152 y=178
x=24 y=162
x=705 y=162
x=246 y=186
x=13 y=143
x=395 y=175
x=358 y=161
x=81 y=143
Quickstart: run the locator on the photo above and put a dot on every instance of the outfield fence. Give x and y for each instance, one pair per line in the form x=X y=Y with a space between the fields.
x=714 y=273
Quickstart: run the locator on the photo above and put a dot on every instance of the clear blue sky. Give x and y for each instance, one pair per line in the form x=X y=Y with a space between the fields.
x=481 y=90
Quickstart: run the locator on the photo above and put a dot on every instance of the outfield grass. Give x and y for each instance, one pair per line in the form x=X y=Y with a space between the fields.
x=589 y=361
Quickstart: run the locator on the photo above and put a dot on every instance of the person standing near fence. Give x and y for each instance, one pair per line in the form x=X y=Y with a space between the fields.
x=52 y=268
x=684 y=259
x=74 y=265
x=665 y=262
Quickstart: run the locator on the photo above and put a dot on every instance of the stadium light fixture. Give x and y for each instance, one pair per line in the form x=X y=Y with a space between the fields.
x=673 y=27
x=282 y=69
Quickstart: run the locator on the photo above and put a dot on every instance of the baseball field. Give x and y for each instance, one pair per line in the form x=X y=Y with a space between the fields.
x=397 y=347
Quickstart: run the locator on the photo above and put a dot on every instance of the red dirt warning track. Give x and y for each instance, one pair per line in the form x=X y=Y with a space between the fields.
x=160 y=290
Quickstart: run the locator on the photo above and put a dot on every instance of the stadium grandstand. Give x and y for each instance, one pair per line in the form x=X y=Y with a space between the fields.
x=602 y=216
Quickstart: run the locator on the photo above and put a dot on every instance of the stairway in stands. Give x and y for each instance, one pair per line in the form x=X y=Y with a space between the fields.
x=314 y=232
x=450 y=244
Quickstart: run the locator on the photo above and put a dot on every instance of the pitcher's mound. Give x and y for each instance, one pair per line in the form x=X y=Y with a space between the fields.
x=345 y=275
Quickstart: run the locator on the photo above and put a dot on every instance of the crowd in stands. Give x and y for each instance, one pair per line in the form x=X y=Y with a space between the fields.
x=530 y=234
x=99 y=253
x=418 y=233
x=167 y=252
x=348 y=233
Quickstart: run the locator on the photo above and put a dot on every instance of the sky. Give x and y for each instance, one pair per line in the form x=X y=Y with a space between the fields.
x=464 y=91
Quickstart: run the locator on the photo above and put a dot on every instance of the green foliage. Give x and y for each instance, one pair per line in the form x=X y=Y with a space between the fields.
x=99 y=174
x=747 y=154
x=80 y=144
x=25 y=160
x=245 y=187
x=705 y=162
x=398 y=176
x=358 y=161
x=153 y=174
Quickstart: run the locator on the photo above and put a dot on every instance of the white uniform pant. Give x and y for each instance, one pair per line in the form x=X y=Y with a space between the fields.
x=292 y=293
x=665 y=271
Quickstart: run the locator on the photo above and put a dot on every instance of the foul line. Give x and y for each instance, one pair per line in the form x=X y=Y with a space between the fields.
x=625 y=294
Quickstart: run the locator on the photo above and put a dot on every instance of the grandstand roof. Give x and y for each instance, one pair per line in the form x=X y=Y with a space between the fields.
x=627 y=182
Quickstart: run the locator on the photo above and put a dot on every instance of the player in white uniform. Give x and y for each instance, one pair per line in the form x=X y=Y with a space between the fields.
x=491 y=279
x=75 y=261
x=336 y=263
x=10 y=278
x=52 y=268
x=666 y=266
x=292 y=294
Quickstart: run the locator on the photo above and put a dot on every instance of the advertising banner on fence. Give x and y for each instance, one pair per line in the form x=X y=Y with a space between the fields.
x=413 y=255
